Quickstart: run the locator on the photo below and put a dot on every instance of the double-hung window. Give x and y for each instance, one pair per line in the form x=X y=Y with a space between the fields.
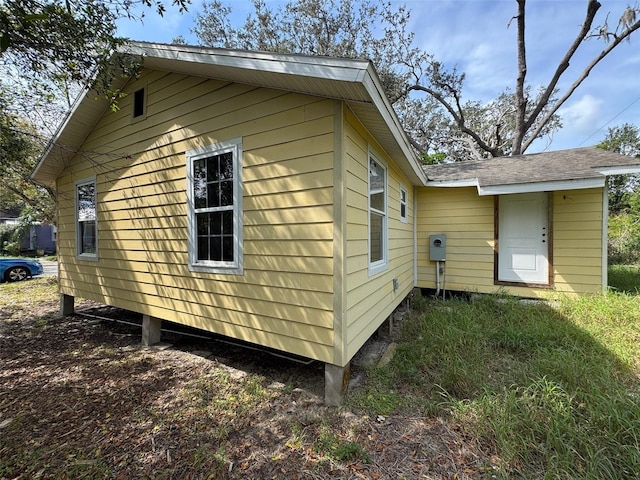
x=377 y=215
x=86 y=219
x=215 y=208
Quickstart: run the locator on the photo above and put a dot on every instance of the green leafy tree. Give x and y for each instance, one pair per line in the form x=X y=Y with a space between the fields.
x=49 y=51
x=427 y=95
x=52 y=47
x=624 y=198
x=20 y=146
x=334 y=28
x=625 y=140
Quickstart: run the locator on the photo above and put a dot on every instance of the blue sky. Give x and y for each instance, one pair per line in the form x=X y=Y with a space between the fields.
x=473 y=35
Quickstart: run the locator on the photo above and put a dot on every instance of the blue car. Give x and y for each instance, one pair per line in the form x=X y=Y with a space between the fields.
x=17 y=269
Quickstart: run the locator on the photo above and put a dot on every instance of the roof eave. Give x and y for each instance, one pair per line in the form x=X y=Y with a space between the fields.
x=618 y=170
x=507 y=189
x=70 y=135
x=328 y=68
x=352 y=81
x=463 y=182
x=374 y=87
x=577 y=184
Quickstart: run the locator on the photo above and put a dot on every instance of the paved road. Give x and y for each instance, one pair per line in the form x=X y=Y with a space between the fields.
x=50 y=268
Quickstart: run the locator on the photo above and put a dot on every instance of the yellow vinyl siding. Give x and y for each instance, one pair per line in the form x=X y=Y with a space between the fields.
x=284 y=299
x=371 y=299
x=577 y=240
x=468 y=221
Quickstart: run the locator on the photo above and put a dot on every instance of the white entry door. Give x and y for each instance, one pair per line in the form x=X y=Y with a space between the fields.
x=523 y=238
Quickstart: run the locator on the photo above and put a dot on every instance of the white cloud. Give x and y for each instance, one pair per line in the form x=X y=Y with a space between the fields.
x=583 y=115
x=488 y=70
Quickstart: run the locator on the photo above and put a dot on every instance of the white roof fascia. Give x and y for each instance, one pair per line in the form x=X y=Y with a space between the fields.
x=541 y=186
x=619 y=170
x=374 y=88
x=471 y=182
x=299 y=65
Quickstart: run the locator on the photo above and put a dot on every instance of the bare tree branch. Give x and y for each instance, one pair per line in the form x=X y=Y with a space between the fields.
x=521 y=101
x=585 y=73
x=592 y=9
x=457 y=116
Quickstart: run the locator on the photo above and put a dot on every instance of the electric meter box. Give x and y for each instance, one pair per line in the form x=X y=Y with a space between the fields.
x=438 y=247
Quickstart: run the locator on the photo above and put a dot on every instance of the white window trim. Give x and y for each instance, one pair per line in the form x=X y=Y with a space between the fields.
x=380 y=265
x=80 y=255
x=237 y=266
x=403 y=190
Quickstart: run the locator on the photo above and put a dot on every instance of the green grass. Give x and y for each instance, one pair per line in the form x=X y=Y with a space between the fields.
x=331 y=445
x=625 y=278
x=25 y=297
x=553 y=390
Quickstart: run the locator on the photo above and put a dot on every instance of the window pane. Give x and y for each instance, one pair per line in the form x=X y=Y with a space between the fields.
x=375 y=222
x=227 y=249
x=376 y=186
x=213 y=168
x=403 y=210
x=226 y=166
x=216 y=248
x=214 y=195
x=203 y=223
x=199 y=184
x=226 y=193
x=86 y=202
x=203 y=248
x=215 y=223
x=377 y=201
x=88 y=237
x=227 y=222
x=376 y=176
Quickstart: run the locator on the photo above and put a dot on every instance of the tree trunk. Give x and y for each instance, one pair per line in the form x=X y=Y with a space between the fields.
x=521 y=106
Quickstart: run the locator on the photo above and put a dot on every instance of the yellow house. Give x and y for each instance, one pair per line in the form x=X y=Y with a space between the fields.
x=276 y=199
x=529 y=225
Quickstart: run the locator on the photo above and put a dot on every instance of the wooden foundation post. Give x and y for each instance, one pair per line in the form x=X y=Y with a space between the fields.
x=336 y=383
x=67 y=304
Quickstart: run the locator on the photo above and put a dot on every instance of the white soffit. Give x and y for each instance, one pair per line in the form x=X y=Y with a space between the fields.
x=322 y=76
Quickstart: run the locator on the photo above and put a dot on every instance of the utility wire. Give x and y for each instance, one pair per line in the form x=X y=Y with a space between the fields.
x=611 y=120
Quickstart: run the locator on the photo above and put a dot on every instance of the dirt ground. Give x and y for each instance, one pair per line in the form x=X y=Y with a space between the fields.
x=81 y=398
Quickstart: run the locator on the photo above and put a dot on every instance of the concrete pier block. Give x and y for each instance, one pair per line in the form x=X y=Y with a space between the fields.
x=151 y=330
x=336 y=383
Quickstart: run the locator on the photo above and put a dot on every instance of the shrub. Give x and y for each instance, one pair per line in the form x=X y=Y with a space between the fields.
x=9 y=243
x=624 y=239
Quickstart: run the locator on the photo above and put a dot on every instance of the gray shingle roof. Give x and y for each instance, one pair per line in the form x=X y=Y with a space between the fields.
x=559 y=166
